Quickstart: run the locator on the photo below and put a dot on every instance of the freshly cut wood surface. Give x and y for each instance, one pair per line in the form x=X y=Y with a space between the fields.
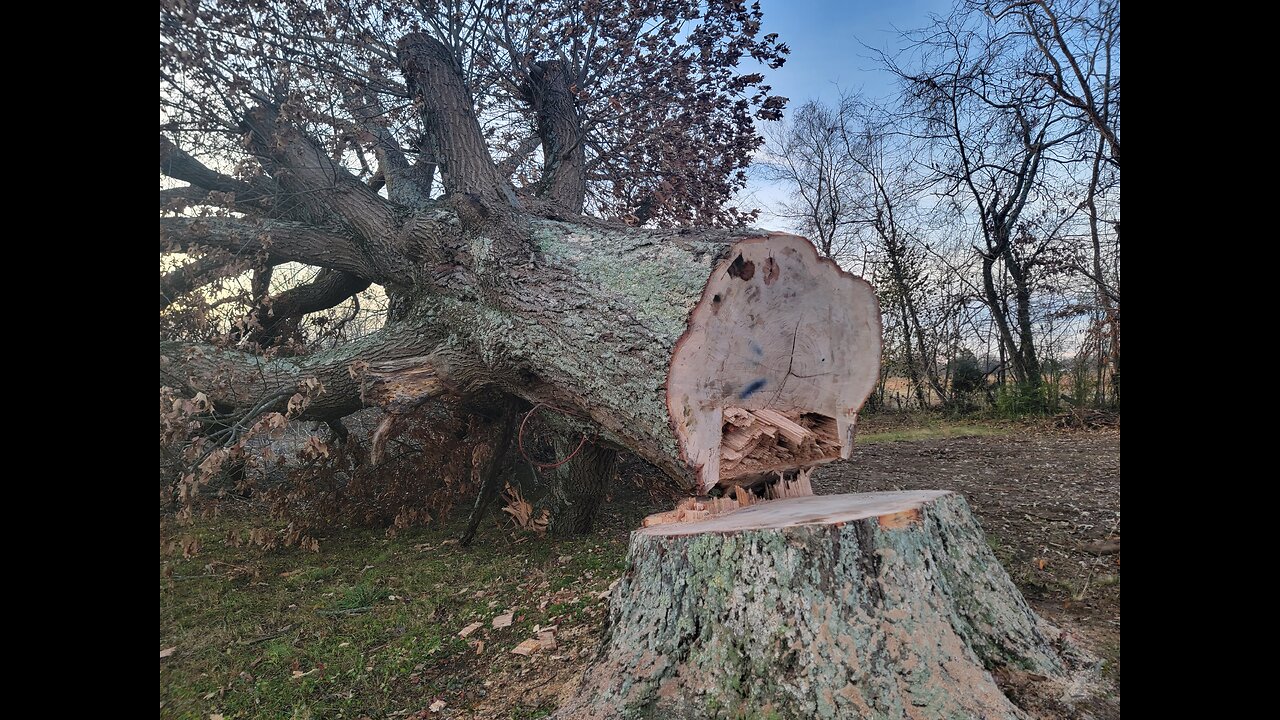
x=811 y=510
x=778 y=336
x=760 y=442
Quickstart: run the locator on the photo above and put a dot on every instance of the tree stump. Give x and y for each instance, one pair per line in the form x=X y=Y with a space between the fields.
x=873 y=605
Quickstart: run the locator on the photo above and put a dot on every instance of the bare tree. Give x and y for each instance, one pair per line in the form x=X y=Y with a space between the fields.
x=855 y=186
x=1079 y=43
x=994 y=128
x=807 y=154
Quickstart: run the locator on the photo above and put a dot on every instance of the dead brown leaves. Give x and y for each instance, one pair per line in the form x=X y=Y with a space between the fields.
x=522 y=511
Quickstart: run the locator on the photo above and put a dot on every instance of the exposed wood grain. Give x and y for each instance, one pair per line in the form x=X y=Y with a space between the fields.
x=801 y=337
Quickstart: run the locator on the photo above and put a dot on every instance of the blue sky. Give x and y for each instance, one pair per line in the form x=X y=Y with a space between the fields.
x=826 y=38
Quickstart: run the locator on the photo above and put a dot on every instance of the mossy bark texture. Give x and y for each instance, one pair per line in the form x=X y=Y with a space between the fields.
x=899 y=611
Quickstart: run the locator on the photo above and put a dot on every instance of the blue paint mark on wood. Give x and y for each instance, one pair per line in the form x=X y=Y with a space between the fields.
x=756 y=349
x=751 y=389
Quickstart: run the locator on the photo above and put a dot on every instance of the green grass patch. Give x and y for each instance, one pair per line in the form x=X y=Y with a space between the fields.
x=365 y=627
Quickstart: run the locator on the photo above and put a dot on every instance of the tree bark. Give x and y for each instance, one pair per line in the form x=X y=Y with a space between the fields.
x=876 y=605
x=564 y=180
x=581 y=486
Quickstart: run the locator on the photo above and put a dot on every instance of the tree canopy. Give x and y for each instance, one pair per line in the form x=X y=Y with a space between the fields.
x=662 y=104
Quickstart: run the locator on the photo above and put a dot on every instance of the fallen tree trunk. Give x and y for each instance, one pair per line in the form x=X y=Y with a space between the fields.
x=656 y=340
x=876 y=605
x=650 y=336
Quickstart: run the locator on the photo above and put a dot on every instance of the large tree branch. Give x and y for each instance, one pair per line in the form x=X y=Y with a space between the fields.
x=282 y=241
x=382 y=369
x=448 y=113
x=406 y=183
x=177 y=164
x=304 y=170
x=564 y=158
x=330 y=288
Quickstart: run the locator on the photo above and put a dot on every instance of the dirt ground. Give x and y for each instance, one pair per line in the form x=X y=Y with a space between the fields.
x=1049 y=502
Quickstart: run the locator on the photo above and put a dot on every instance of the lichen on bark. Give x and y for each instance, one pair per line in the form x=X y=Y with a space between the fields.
x=872 y=618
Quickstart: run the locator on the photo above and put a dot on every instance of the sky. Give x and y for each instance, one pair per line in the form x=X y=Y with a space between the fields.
x=827 y=39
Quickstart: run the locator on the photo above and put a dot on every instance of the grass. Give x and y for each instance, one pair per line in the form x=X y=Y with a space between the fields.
x=365 y=627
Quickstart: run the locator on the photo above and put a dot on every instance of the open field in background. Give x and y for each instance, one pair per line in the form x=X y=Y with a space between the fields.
x=899 y=397
x=369 y=625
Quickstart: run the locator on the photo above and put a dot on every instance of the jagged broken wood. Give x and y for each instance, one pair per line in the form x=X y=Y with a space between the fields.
x=875 y=605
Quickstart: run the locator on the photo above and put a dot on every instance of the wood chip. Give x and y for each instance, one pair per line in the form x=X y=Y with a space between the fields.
x=464 y=632
x=167 y=652
x=437 y=706
x=503 y=620
x=547 y=640
x=526 y=648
